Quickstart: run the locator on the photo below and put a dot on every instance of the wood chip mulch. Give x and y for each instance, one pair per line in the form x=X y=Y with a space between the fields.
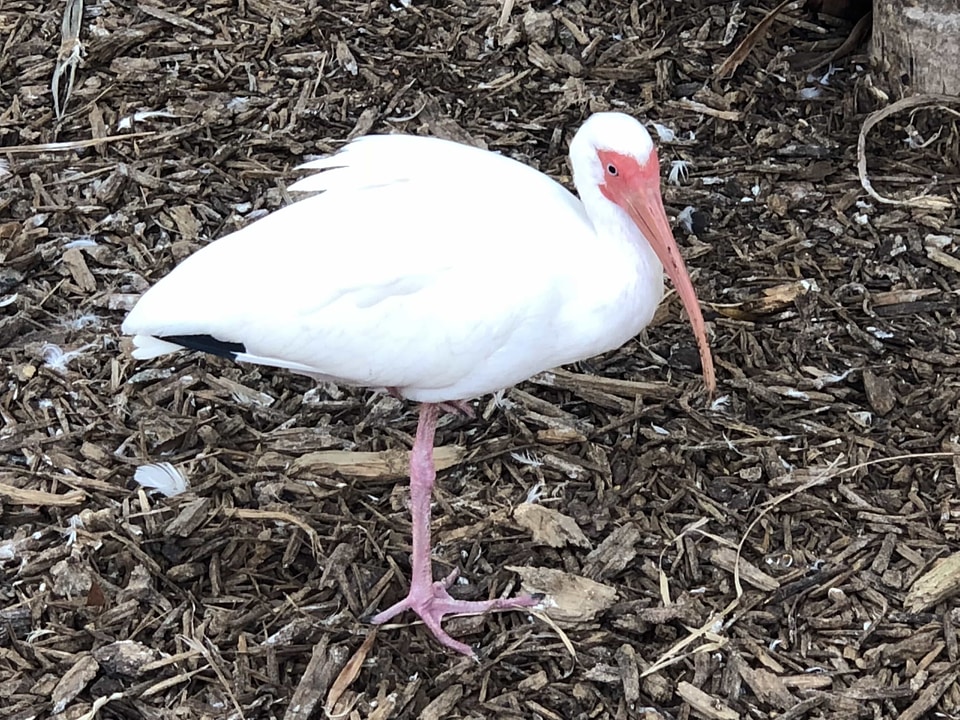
x=788 y=550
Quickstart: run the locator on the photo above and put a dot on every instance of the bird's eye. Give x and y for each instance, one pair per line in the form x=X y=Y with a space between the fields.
x=612 y=170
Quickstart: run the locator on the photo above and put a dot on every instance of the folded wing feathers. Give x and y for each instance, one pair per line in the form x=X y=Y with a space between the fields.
x=364 y=164
x=378 y=160
x=146 y=347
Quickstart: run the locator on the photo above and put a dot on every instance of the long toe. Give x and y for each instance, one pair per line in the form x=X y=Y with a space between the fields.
x=390 y=613
x=436 y=604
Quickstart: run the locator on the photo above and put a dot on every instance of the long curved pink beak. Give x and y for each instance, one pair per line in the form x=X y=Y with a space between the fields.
x=644 y=205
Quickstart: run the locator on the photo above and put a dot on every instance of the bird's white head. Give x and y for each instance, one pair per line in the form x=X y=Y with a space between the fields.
x=614 y=161
x=610 y=133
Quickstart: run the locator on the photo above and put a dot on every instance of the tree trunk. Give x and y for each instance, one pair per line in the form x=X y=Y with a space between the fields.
x=917 y=44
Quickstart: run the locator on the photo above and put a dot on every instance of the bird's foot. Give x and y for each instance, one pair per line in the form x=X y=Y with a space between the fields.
x=461 y=407
x=432 y=603
x=454 y=407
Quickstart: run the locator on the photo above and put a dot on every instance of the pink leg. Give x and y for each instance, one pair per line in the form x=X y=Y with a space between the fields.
x=458 y=406
x=453 y=406
x=428 y=599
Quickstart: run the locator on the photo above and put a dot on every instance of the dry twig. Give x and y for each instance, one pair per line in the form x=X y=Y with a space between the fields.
x=742 y=51
x=923 y=202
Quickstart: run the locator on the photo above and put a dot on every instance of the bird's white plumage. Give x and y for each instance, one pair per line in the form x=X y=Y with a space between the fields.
x=441 y=270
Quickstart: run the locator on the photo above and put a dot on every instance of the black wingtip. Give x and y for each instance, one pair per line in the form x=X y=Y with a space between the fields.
x=207 y=344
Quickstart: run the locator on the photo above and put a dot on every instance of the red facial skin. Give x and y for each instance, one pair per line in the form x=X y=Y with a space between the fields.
x=635 y=187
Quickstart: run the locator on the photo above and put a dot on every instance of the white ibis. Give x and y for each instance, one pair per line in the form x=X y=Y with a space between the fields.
x=442 y=272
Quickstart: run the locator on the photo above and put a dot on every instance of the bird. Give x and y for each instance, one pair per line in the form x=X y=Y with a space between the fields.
x=441 y=272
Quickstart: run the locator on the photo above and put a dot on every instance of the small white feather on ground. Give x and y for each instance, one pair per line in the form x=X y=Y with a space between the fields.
x=163 y=478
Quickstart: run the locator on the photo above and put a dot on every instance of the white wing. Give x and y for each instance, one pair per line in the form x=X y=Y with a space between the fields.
x=436 y=268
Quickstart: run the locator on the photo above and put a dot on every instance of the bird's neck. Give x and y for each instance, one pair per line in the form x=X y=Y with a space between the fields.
x=613 y=225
